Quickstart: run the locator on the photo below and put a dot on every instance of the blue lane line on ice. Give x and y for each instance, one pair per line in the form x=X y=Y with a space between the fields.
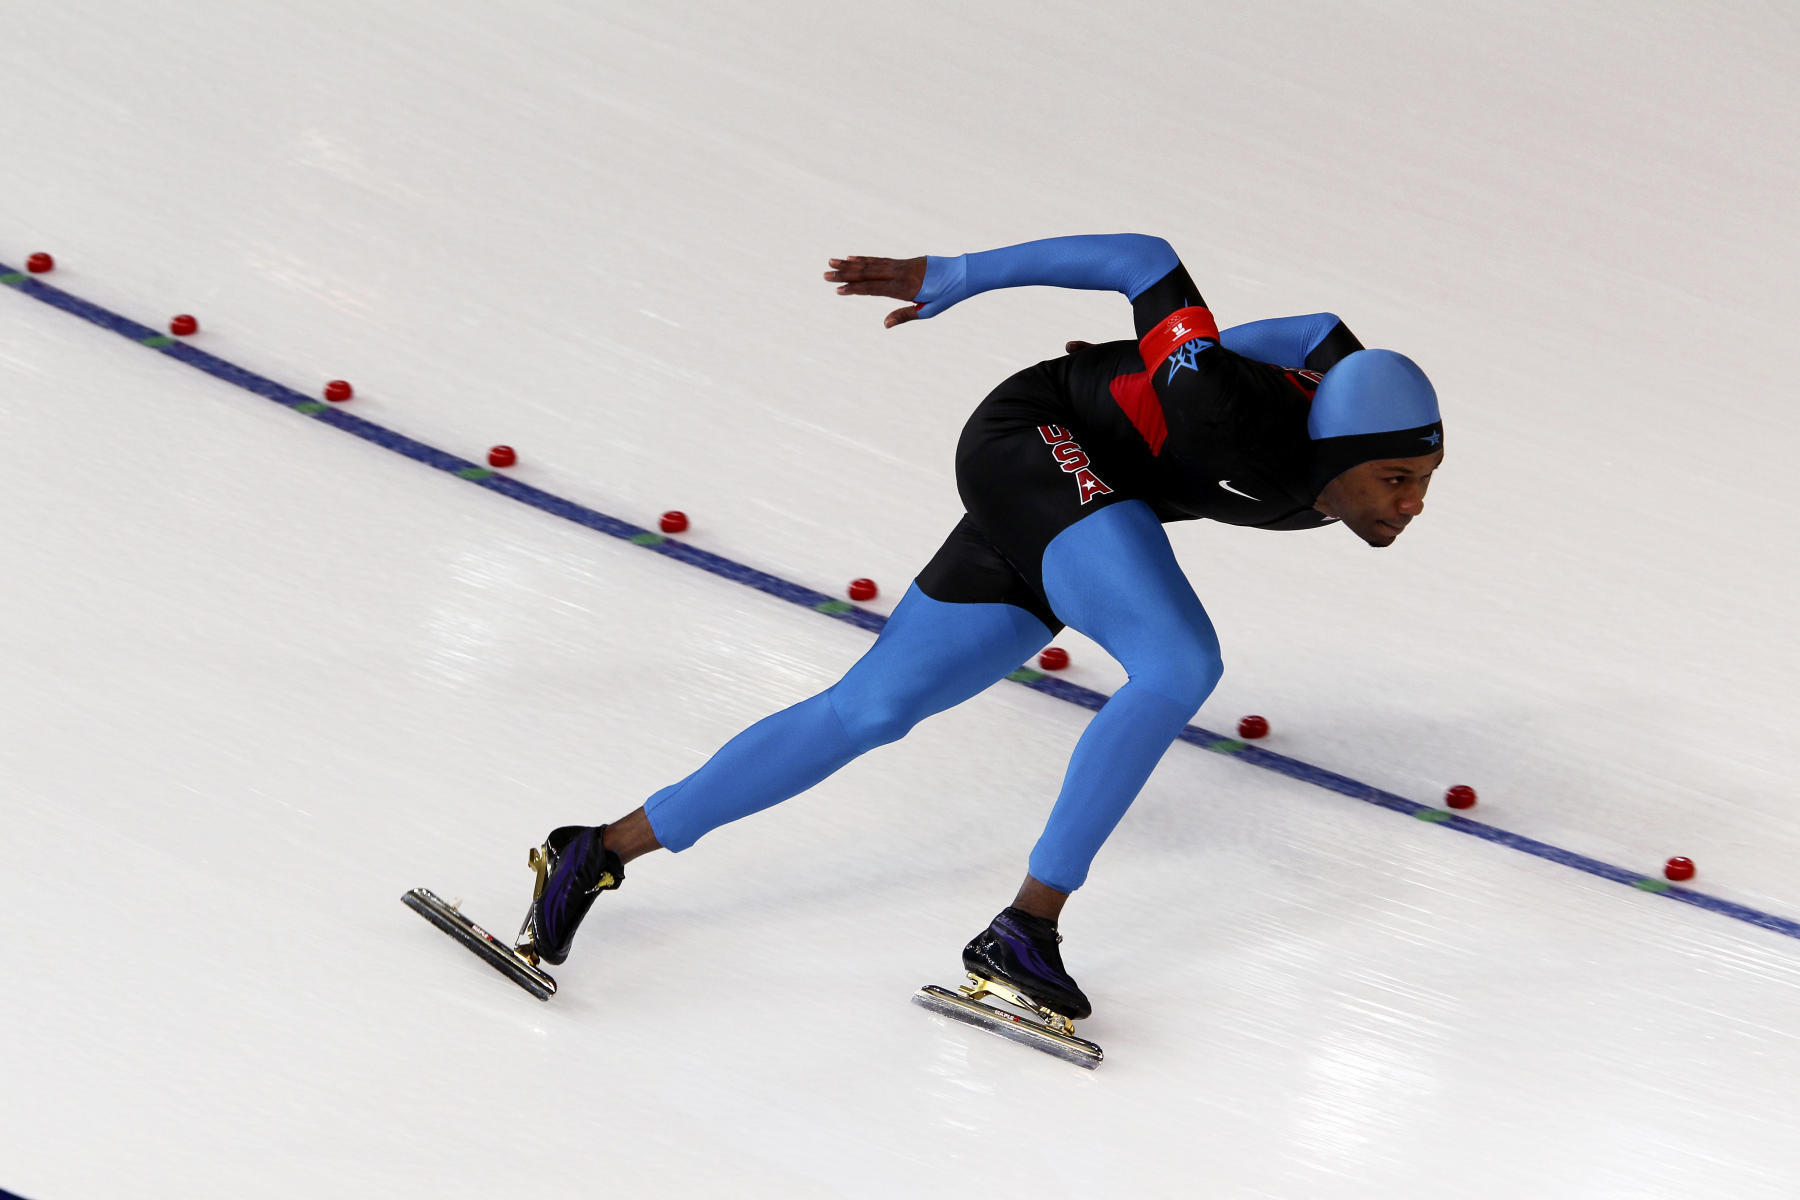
x=387 y=439
x=774 y=585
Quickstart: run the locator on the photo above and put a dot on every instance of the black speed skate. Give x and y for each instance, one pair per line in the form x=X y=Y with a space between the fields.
x=573 y=868
x=1016 y=960
x=1017 y=957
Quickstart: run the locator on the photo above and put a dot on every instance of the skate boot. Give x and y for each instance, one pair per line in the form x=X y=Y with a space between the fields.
x=1016 y=959
x=573 y=868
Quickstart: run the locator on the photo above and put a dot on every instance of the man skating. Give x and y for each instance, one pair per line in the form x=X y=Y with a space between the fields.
x=1067 y=471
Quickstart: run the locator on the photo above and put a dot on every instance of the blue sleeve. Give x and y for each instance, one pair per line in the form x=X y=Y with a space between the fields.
x=1280 y=341
x=1111 y=262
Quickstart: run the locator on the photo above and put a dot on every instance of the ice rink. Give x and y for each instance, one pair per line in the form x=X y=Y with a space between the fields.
x=262 y=677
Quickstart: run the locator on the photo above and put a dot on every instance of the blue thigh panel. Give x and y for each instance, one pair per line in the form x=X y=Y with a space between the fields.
x=1113 y=576
x=931 y=656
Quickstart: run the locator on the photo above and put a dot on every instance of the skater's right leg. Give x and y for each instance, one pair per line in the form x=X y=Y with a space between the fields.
x=931 y=656
x=631 y=836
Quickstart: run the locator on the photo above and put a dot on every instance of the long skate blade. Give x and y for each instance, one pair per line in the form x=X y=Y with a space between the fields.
x=485 y=946
x=1015 y=1028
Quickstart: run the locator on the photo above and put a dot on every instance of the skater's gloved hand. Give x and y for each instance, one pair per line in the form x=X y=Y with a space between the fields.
x=1076 y=347
x=896 y=278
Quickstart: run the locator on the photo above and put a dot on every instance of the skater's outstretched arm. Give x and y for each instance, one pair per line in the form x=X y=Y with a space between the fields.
x=1144 y=268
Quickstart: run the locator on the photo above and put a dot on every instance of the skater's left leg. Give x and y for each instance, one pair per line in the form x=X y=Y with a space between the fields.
x=1114 y=577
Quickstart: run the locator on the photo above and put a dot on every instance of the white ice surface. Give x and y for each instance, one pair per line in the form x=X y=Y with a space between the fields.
x=262 y=677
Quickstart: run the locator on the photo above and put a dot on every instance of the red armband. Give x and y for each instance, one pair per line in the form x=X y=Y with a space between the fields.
x=1175 y=331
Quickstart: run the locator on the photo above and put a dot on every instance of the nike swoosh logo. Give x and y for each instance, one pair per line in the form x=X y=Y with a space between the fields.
x=1226 y=484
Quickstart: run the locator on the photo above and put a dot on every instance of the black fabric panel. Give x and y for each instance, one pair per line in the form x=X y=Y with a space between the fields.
x=967 y=569
x=1337 y=345
x=1173 y=291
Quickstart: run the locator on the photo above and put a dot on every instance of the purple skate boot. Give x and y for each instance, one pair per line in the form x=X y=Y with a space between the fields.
x=1015 y=959
x=573 y=868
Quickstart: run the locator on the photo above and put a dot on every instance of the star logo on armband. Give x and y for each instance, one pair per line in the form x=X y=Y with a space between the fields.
x=1186 y=356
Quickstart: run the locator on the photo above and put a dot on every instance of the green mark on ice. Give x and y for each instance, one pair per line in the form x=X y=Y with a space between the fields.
x=1651 y=885
x=832 y=607
x=642 y=539
x=1227 y=746
x=1025 y=675
x=473 y=474
x=309 y=408
x=12 y=280
x=1434 y=815
x=157 y=341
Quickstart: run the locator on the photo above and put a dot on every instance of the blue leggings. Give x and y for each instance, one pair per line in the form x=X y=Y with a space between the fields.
x=1111 y=575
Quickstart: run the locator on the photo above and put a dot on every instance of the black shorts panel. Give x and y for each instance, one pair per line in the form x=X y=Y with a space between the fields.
x=1028 y=467
x=969 y=570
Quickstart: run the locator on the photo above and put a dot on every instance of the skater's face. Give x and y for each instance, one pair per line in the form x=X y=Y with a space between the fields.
x=1377 y=500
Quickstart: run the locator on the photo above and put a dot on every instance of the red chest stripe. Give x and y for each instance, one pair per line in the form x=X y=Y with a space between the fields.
x=1139 y=401
x=1176 y=330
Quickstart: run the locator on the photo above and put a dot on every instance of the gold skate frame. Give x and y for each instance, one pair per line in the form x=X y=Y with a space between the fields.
x=525 y=946
x=978 y=986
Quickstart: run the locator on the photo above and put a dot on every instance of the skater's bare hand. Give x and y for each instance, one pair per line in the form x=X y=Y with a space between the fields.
x=896 y=278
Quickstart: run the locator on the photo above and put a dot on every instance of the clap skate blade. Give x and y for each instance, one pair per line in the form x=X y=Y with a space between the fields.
x=516 y=963
x=1050 y=1032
